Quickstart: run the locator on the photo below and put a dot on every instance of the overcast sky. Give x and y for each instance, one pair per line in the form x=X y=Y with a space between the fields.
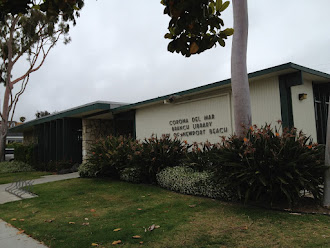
x=118 y=53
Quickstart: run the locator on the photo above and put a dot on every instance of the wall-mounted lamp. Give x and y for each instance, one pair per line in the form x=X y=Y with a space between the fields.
x=302 y=96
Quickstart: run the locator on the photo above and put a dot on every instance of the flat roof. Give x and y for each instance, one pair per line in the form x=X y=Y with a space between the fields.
x=84 y=111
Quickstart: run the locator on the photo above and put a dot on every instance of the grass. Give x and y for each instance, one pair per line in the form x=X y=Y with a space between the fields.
x=12 y=177
x=185 y=221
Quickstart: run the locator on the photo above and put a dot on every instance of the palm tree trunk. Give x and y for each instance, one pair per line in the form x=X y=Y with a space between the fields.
x=239 y=77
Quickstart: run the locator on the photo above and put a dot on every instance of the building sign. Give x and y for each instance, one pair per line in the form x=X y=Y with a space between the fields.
x=195 y=126
x=197 y=120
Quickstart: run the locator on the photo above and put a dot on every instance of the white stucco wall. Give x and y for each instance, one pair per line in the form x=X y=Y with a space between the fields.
x=303 y=111
x=198 y=120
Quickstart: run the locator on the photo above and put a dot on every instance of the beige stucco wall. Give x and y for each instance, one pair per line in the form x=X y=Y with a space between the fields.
x=303 y=111
x=93 y=130
x=265 y=101
x=265 y=104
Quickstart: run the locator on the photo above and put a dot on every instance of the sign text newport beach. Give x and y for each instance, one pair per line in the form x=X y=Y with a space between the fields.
x=198 y=125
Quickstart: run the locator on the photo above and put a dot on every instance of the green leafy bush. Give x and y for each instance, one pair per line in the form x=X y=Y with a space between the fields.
x=188 y=181
x=133 y=175
x=271 y=166
x=25 y=153
x=265 y=164
x=201 y=156
x=159 y=153
x=113 y=154
x=14 y=166
x=61 y=167
x=13 y=145
x=88 y=170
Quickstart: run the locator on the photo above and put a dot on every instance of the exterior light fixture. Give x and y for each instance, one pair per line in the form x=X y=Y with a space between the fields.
x=302 y=96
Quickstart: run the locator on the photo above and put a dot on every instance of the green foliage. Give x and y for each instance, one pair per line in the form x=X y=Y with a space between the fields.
x=188 y=181
x=159 y=153
x=195 y=25
x=271 y=166
x=13 y=145
x=13 y=6
x=61 y=167
x=132 y=175
x=14 y=166
x=265 y=165
x=67 y=8
x=113 y=154
x=201 y=156
x=88 y=170
x=25 y=153
x=33 y=31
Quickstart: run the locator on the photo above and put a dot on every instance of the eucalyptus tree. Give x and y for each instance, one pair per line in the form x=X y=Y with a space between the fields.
x=196 y=26
x=28 y=31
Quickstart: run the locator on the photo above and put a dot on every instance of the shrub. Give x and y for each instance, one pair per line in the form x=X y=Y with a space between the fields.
x=201 y=156
x=25 y=153
x=62 y=166
x=88 y=170
x=113 y=154
x=13 y=145
x=133 y=175
x=271 y=166
x=14 y=166
x=159 y=153
x=188 y=181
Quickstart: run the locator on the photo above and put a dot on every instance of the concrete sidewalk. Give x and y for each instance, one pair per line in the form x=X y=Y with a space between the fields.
x=7 y=197
x=11 y=237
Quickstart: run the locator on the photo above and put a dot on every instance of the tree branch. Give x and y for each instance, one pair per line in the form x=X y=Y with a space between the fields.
x=30 y=70
x=18 y=94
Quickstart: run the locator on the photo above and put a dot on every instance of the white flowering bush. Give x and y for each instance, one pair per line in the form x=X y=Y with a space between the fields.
x=188 y=181
x=132 y=175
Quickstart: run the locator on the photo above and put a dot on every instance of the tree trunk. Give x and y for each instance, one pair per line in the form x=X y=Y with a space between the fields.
x=2 y=147
x=326 y=197
x=239 y=77
x=4 y=121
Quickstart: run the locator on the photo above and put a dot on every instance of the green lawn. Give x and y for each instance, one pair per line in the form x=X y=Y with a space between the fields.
x=11 y=177
x=96 y=207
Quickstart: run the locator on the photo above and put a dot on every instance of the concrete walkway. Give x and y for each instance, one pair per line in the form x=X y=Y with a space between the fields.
x=7 y=197
x=11 y=237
